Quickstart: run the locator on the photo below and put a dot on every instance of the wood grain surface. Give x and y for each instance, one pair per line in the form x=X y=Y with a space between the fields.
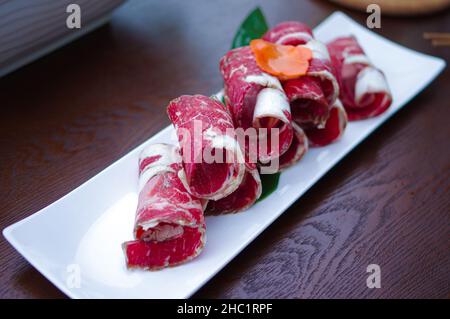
x=28 y=28
x=69 y=115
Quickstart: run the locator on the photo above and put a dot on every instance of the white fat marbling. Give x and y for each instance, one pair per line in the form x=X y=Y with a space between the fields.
x=222 y=141
x=357 y=58
x=265 y=80
x=271 y=103
x=319 y=50
x=169 y=155
x=305 y=36
x=228 y=143
x=164 y=232
x=338 y=104
x=327 y=75
x=149 y=224
x=343 y=118
x=370 y=80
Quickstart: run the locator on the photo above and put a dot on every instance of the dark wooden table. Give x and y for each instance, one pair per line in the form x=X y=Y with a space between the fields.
x=69 y=115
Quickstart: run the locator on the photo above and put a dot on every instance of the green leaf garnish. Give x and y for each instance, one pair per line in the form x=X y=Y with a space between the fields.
x=269 y=184
x=253 y=27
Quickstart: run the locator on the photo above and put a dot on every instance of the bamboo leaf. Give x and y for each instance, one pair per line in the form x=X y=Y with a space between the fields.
x=269 y=184
x=253 y=27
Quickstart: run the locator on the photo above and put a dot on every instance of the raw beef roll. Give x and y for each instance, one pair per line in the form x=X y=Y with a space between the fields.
x=242 y=198
x=213 y=161
x=169 y=227
x=332 y=130
x=311 y=96
x=256 y=99
x=364 y=90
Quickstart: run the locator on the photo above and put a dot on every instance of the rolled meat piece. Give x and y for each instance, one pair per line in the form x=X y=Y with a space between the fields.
x=242 y=198
x=213 y=161
x=309 y=106
x=364 y=89
x=310 y=96
x=333 y=129
x=256 y=99
x=169 y=226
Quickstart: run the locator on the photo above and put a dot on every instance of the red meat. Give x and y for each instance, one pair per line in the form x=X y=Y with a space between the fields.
x=256 y=99
x=298 y=148
x=242 y=198
x=169 y=227
x=311 y=96
x=364 y=90
x=212 y=158
x=333 y=129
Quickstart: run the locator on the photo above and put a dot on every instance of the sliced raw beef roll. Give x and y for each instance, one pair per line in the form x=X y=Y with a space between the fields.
x=213 y=161
x=364 y=90
x=169 y=227
x=311 y=96
x=256 y=99
x=332 y=130
x=242 y=198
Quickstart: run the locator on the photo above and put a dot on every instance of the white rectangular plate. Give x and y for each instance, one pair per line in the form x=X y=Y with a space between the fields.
x=81 y=233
